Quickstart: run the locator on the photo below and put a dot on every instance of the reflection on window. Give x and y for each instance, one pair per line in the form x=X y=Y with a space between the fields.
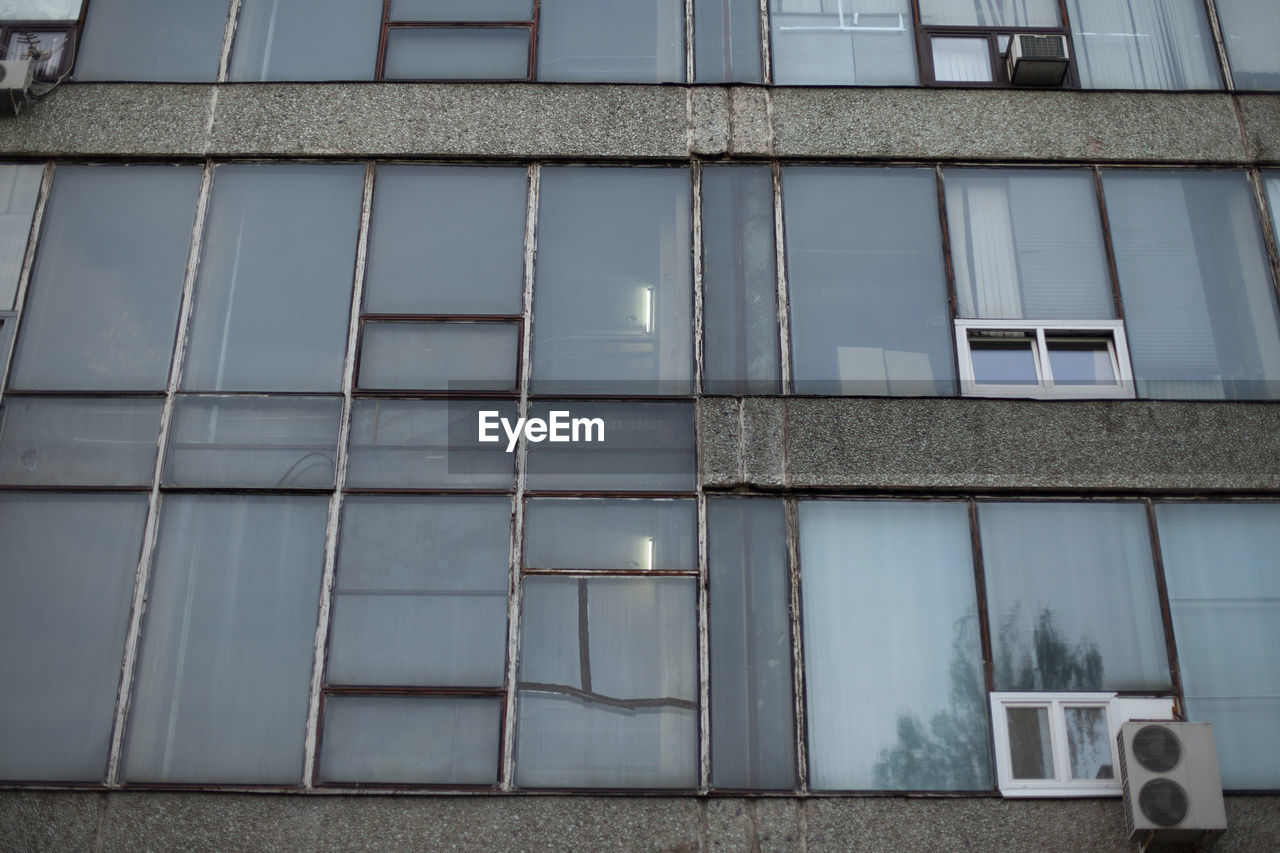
x=76 y=441
x=911 y=714
x=1251 y=30
x=40 y=10
x=19 y=186
x=869 y=310
x=726 y=41
x=854 y=42
x=1224 y=595
x=152 y=40
x=967 y=13
x=1143 y=44
x=305 y=40
x=622 y=41
x=614 y=535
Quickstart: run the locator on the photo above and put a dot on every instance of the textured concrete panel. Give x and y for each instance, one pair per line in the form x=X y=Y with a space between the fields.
x=1005 y=124
x=709 y=120
x=1097 y=444
x=34 y=820
x=452 y=120
x=719 y=440
x=752 y=126
x=764 y=431
x=111 y=119
x=1261 y=115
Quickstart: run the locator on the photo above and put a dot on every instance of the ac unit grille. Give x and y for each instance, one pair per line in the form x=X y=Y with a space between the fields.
x=1042 y=47
x=1157 y=749
x=1164 y=802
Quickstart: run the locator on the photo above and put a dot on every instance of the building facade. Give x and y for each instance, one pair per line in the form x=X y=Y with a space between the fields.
x=692 y=423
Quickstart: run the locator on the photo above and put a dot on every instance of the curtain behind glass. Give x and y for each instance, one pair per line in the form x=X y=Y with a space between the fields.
x=1071 y=595
x=847 y=42
x=1251 y=30
x=1143 y=44
x=1223 y=575
x=1027 y=244
x=895 y=693
x=1200 y=307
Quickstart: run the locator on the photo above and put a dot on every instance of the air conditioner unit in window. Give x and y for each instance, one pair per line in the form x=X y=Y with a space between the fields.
x=1172 y=790
x=15 y=81
x=1038 y=60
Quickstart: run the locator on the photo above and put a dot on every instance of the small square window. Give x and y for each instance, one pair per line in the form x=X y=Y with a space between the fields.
x=1033 y=358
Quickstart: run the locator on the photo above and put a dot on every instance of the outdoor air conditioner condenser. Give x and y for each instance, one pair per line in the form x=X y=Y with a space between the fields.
x=1038 y=60
x=15 y=81
x=1172 y=790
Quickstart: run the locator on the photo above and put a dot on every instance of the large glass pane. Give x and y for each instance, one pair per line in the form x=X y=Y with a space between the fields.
x=608 y=684
x=40 y=10
x=1224 y=595
x=1071 y=595
x=65 y=585
x=439 y=356
x=446 y=240
x=429 y=444
x=967 y=13
x=851 y=42
x=306 y=40
x=739 y=282
x=1251 y=29
x=280 y=442
x=1199 y=303
x=103 y=305
x=152 y=40
x=1027 y=244
x=619 y=535
x=869 y=312
x=619 y=41
x=78 y=442
x=613 y=298
x=421 y=595
x=910 y=713
x=224 y=670
x=632 y=447
x=454 y=53
x=726 y=41
x=752 y=712
x=1143 y=44
x=460 y=10
x=411 y=740
x=274 y=290
x=19 y=186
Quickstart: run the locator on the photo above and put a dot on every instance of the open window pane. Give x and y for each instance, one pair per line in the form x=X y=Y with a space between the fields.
x=421 y=594
x=869 y=311
x=999 y=361
x=1027 y=244
x=1143 y=44
x=608 y=684
x=411 y=740
x=1224 y=596
x=739 y=281
x=1030 y=743
x=616 y=41
x=224 y=669
x=274 y=290
x=66 y=581
x=452 y=53
x=726 y=41
x=1071 y=595
x=1200 y=306
x=446 y=240
x=19 y=186
x=967 y=13
x=619 y=535
x=961 y=60
x=460 y=10
x=78 y=442
x=613 y=298
x=1089 y=743
x=102 y=309
x=752 y=707
x=1081 y=362
x=904 y=715
x=305 y=40
x=428 y=444
x=149 y=40
x=439 y=356
x=851 y=42
x=266 y=442
x=1251 y=30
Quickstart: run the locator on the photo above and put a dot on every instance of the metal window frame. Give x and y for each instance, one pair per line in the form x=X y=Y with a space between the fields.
x=388 y=25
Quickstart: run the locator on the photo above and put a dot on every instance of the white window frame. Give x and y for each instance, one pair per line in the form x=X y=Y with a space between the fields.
x=1045 y=331
x=1120 y=709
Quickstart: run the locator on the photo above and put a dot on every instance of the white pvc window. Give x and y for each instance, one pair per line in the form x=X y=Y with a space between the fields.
x=1063 y=744
x=1028 y=358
